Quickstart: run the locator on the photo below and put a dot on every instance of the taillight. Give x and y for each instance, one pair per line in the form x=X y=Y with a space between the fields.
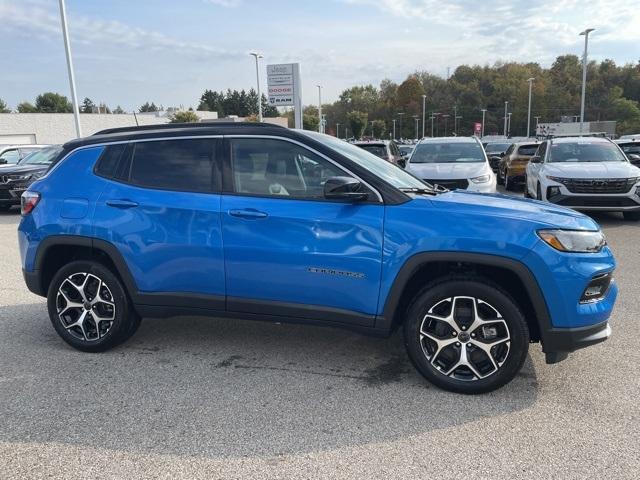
x=28 y=202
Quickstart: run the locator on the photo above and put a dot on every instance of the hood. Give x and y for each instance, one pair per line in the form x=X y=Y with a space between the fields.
x=447 y=171
x=592 y=170
x=541 y=213
x=17 y=169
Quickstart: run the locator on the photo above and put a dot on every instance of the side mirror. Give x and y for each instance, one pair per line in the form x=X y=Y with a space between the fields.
x=2 y=161
x=495 y=158
x=536 y=159
x=344 y=188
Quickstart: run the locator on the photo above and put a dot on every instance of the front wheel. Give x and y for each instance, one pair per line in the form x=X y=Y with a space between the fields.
x=89 y=307
x=466 y=335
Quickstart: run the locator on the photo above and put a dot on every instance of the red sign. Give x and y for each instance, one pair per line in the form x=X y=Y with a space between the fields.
x=477 y=129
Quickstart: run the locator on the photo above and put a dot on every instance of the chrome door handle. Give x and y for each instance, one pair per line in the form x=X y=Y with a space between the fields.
x=250 y=213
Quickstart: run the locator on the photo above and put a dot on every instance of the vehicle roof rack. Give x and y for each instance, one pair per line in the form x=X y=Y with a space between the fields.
x=177 y=126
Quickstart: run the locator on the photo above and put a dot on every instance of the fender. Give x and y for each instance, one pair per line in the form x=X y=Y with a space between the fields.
x=414 y=263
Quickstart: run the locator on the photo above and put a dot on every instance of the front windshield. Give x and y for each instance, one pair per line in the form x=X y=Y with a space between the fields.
x=497 y=147
x=585 y=152
x=41 y=157
x=387 y=171
x=528 y=150
x=448 y=152
x=377 y=150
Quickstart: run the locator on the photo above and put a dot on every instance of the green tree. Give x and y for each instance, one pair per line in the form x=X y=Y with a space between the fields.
x=87 y=106
x=26 y=107
x=3 y=107
x=50 y=102
x=378 y=127
x=357 y=122
x=268 y=111
x=186 y=116
x=148 y=107
x=118 y=110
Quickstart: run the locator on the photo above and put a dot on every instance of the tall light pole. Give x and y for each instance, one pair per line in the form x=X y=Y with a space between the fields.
x=509 y=124
x=424 y=104
x=319 y=108
x=537 y=121
x=256 y=55
x=371 y=122
x=72 y=80
x=455 y=120
x=506 y=106
x=415 y=117
x=584 y=74
x=484 y=111
x=530 y=80
x=400 y=114
x=337 y=130
x=394 y=128
x=445 y=124
x=457 y=117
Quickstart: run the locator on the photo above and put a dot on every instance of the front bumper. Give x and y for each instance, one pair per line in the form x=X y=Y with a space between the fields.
x=559 y=342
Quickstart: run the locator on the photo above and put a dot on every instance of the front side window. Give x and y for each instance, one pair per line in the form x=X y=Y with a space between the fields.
x=585 y=152
x=631 y=148
x=182 y=165
x=10 y=157
x=262 y=166
x=448 y=152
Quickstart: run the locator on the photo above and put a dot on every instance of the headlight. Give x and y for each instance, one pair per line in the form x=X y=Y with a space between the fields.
x=481 y=179
x=574 y=240
x=557 y=179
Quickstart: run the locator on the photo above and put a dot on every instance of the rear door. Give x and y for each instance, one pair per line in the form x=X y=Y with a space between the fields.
x=160 y=206
x=533 y=169
x=288 y=251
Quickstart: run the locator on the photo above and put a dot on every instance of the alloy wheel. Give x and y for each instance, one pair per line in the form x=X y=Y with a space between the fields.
x=465 y=338
x=85 y=306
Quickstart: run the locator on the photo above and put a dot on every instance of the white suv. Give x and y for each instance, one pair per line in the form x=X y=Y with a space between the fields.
x=453 y=162
x=584 y=173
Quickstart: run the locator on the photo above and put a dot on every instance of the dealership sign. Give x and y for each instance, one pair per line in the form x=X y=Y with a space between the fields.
x=283 y=88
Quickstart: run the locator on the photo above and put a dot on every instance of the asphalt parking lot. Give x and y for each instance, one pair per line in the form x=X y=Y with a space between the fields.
x=208 y=398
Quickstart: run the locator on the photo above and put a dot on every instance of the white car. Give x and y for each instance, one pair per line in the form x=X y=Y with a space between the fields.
x=12 y=154
x=453 y=162
x=584 y=173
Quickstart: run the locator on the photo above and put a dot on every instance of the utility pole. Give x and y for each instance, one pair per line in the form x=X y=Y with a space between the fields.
x=394 y=128
x=584 y=74
x=424 y=104
x=445 y=124
x=256 y=55
x=455 y=120
x=506 y=106
x=509 y=125
x=458 y=117
x=415 y=117
x=371 y=122
x=400 y=114
x=337 y=130
x=484 y=111
x=530 y=80
x=319 y=108
x=72 y=80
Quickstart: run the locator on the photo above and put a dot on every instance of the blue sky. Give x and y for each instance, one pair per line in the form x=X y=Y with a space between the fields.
x=130 y=51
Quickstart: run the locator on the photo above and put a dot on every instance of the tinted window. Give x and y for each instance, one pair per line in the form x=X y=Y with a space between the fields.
x=630 y=147
x=585 y=152
x=497 y=147
x=377 y=150
x=448 y=152
x=108 y=162
x=542 y=149
x=274 y=167
x=528 y=150
x=184 y=165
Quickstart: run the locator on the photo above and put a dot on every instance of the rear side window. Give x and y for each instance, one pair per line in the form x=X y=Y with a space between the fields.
x=108 y=162
x=182 y=165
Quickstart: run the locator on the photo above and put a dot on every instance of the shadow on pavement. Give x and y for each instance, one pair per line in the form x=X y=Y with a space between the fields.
x=211 y=387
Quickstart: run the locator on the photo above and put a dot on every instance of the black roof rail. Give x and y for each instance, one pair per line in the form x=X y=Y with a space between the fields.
x=179 y=126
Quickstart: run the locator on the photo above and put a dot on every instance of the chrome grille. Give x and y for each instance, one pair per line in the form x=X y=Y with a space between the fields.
x=598 y=185
x=462 y=183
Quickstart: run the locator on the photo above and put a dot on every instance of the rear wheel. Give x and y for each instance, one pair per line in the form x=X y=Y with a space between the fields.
x=500 y=178
x=466 y=335
x=89 y=307
x=538 y=192
x=508 y=182
x=526 y=188
x=633 y=216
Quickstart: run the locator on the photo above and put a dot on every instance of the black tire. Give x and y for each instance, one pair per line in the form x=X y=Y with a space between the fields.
x=508 y=182
x=538 y=192
x=632 y=216
x=480 y=289
x=499 y=177
x=98 y=336
x=526 y=188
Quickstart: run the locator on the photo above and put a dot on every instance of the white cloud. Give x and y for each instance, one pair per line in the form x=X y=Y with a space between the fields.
x=225 y=3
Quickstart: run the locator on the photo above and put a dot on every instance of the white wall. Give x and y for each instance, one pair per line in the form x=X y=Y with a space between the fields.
x=60 y=128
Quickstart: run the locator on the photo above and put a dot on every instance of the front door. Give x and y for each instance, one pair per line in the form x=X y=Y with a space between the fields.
x=288 y=251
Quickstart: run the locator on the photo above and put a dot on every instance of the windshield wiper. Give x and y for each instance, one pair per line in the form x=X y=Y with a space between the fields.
x=434 y=190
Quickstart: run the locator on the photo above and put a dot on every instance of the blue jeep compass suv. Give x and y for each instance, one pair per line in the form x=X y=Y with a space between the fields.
x=252 y=221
